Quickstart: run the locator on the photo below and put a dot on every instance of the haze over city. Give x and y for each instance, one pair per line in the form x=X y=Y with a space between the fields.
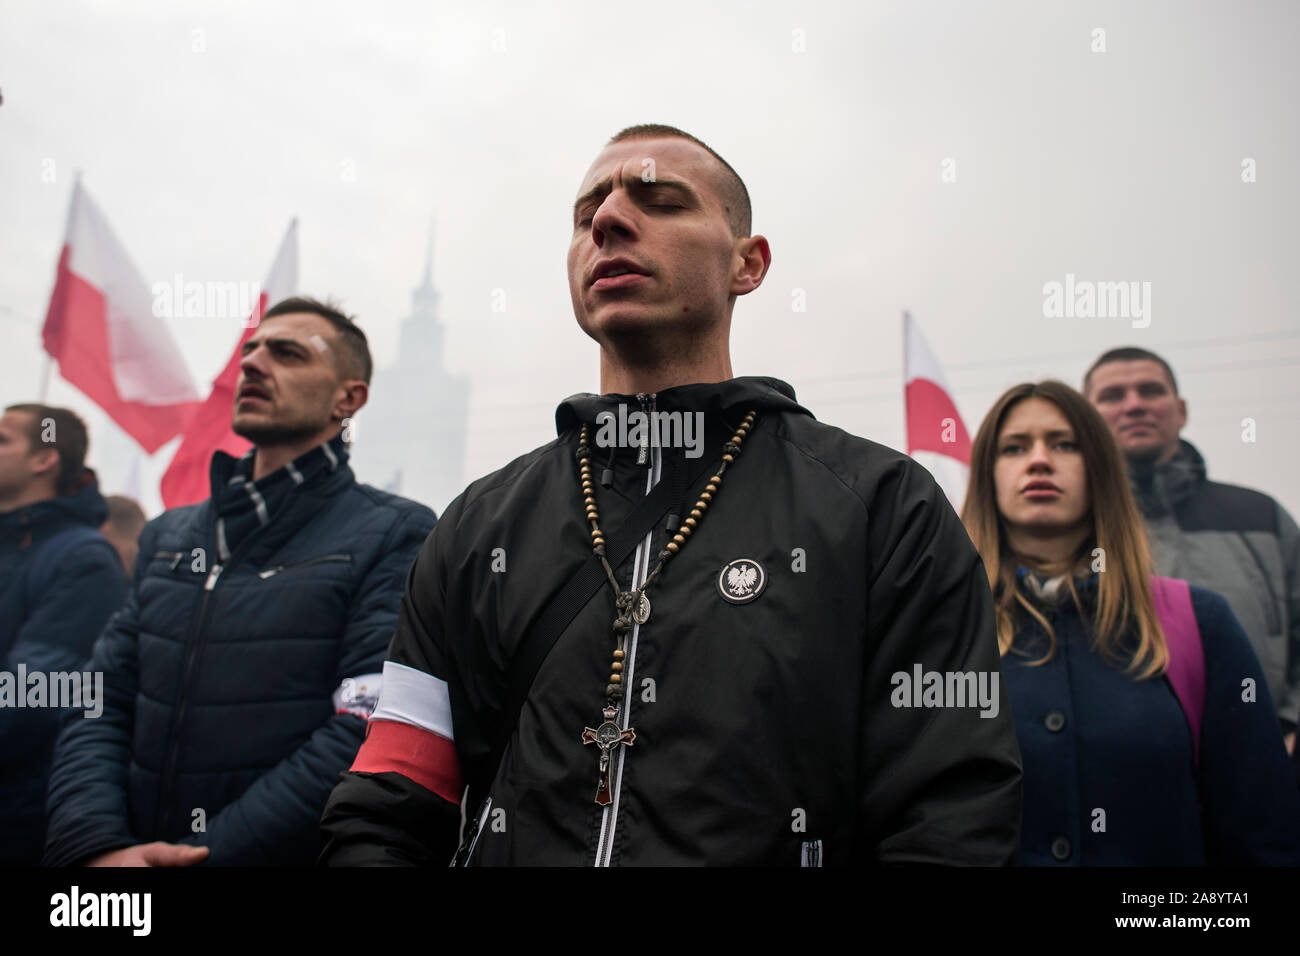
x=948 y=159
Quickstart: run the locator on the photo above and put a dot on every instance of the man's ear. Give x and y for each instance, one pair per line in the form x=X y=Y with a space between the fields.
x=353 y=395
x=755 y=258
x=1182 y=412
x=45 y=462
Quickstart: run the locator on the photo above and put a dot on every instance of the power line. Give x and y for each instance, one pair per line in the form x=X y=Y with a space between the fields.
x=897 y=374
x=1073 y=354
x=991 y=386
x=21 y=317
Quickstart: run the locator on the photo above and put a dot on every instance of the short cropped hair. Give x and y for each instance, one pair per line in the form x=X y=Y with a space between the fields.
x=68 y=437
x=1129 y=354
x=734 y=195
x=355 y=361
x=125 y=516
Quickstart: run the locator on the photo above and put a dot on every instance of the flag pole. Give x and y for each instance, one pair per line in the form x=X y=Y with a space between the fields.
x=906 y=316
x=49 y=359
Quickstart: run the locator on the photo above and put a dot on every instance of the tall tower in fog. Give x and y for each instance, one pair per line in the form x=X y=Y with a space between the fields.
x=410 y=437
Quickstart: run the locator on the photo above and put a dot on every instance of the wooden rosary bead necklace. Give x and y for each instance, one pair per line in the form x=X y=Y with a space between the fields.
x=633 y=605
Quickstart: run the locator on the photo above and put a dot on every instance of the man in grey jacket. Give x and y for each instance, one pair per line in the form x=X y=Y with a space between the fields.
x=1229 y=539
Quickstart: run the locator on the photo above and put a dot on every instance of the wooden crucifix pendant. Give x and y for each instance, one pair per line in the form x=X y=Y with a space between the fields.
x=606 y=737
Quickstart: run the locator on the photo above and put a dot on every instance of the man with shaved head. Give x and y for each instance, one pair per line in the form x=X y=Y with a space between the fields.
x=674 y=635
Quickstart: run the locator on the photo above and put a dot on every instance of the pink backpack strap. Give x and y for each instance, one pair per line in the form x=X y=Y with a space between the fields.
x=1186 y=672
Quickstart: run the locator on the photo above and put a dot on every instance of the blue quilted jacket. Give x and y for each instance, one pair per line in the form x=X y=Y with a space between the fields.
x=236 y=691
x=60 y=581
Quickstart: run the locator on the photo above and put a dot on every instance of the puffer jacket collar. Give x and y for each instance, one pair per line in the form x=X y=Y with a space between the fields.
x=84 y=506
x=1161 y=487
x=235 y=514
x=227 y=470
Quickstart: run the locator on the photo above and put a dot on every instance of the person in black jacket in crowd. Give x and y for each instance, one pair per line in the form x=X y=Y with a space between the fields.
x=59 y=583
x=778 y=584
x=242 y=667
x=1145 y=723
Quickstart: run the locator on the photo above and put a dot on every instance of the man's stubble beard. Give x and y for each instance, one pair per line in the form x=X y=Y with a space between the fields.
x=271 y=435
x=655 y=340
x=1141 y=465
x=1145 y=457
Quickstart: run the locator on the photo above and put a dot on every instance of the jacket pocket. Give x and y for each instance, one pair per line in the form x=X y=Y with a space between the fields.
x=173 y=558
x=278 y=569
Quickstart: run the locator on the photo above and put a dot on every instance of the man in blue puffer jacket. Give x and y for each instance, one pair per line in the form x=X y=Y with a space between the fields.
x=242 y=668
x=60 y=581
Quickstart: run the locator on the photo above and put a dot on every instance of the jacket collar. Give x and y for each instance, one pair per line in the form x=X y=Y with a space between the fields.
x=242 y=506
x=1054 y=591
x=731 y=398
x=226 y=470
x=1160 y=487
x=84 y=506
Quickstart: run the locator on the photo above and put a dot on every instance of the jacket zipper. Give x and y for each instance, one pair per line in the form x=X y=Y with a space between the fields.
x=270 y=572
x=1271 y=618
x=640 y=571
x=209 y=585
x=165 y=781
x=478 y=832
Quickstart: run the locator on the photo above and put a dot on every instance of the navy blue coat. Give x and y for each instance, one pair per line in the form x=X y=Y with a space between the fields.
x=224 y=724
x=60 y=580
x=1094 y=739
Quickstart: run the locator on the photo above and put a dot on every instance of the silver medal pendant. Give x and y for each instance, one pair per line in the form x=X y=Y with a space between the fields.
x=642 y=612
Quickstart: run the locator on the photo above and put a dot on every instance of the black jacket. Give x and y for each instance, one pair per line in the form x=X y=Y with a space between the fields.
x=60 y=581
x=235 y=687
x=765 y=732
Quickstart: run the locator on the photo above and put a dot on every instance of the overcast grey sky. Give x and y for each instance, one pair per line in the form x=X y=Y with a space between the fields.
x=202 y=128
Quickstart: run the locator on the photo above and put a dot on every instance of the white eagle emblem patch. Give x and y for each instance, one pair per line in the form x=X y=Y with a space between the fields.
x=742 y=580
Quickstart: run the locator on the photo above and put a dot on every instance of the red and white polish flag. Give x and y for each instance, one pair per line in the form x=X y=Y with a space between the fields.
x=936 y=435
x=186 y=480
x=101 y=328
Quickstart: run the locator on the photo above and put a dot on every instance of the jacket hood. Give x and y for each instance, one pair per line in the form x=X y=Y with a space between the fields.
x=1162 y=486
x=84 y=506
x=740 y=394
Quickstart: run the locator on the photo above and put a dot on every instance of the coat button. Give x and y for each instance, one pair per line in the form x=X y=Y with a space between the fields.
x=1054 y=722
x=1061 y=848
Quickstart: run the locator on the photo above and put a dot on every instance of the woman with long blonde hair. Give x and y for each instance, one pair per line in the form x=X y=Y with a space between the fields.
x=1144 y=721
